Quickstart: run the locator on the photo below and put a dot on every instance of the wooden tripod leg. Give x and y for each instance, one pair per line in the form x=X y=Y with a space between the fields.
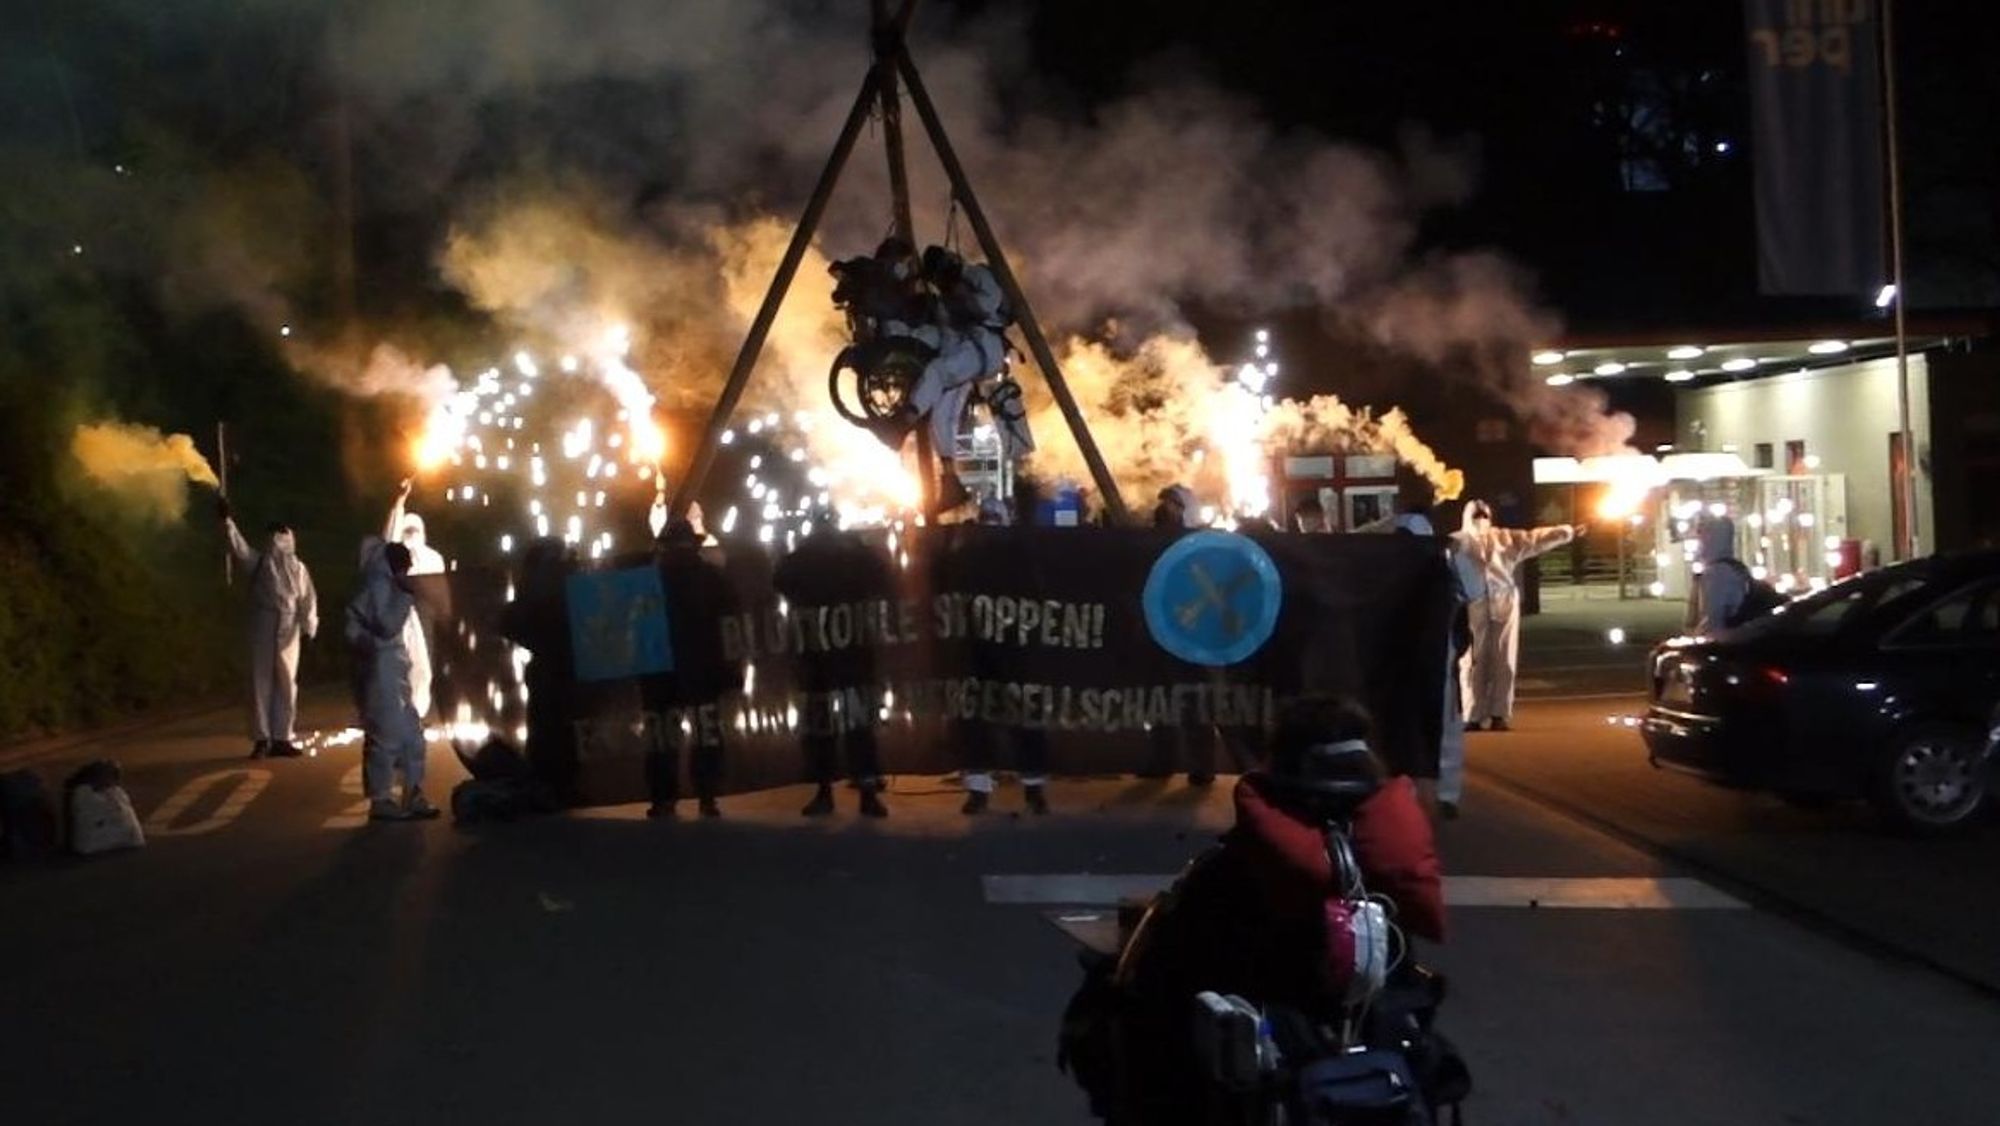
x=788 y=267
x=1038 y=345
x=888 y=39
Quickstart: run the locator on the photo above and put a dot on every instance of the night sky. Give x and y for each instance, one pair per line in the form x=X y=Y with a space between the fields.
x=1550 y=90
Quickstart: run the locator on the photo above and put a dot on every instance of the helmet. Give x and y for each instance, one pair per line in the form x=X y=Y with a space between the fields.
x=1320 y=755
x=1343 y=769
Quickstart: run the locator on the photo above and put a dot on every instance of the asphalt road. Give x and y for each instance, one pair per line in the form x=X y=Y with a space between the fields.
x=286 y=963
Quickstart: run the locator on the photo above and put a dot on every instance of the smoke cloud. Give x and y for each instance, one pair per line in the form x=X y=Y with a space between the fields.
x=145 y=469
x=1168 y=414
x=625 y=163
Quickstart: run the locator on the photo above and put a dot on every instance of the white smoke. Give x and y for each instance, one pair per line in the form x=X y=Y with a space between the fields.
x=606 y=153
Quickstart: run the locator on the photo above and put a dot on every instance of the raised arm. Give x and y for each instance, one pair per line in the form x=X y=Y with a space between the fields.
x=1518 y=545
x=238 y=546
x=392 y=532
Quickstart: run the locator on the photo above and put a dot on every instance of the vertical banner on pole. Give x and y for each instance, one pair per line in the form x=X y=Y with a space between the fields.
x=1816 y=132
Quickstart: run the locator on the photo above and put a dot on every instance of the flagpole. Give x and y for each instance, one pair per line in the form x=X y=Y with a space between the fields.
x=1907 y=547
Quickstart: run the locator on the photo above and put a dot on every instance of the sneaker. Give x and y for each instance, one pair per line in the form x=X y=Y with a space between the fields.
x=1201 y=781
x=975 y=803
x=284 y=748
x=1501 y=725
x=709 y=808
x=820 y=805
x=871 y=804
x=418 y=808
x=1473 y=726
x=260 y=748
x=382 y=809
x=660 y=809
x=1038 y=802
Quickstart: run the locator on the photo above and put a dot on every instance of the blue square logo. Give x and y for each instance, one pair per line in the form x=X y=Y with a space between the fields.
x=618 y=624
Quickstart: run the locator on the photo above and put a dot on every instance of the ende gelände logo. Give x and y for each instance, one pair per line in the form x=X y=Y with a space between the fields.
x=1213 y=598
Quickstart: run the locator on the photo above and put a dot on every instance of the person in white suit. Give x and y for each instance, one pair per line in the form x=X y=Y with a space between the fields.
x=1487 y=670
x=384 y=638
x=284 y=610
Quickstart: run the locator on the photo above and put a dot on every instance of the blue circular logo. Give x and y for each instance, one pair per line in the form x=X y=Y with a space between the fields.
x=1213 y=598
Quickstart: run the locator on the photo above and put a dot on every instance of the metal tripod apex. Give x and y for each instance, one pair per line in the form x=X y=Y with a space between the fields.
x=879 y=87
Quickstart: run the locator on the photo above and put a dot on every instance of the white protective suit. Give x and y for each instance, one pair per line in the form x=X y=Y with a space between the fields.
x=1493 y=554
x=283 y=610
x=1719 y=590
x=968 y=354
x=408 y=528
x=381 y=628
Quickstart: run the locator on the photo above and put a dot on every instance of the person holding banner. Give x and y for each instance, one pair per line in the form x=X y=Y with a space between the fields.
x=831 y=567
x=681 y=704
x=977 y=738
x=538 y=621
x=1170 y=743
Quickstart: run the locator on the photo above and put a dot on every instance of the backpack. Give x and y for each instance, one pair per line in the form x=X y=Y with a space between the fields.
x=28 y=828
x=1759 y=597
x=502 y=787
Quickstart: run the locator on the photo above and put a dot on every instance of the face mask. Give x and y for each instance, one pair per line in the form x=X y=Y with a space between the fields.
x=284 y=542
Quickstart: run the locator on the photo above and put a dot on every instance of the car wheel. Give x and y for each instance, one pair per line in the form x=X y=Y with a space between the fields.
x=1930 y=780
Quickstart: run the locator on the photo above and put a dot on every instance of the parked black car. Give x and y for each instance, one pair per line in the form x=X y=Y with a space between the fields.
x=1884 y=687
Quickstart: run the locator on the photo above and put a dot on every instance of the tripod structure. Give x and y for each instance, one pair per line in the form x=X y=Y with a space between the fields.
x=891 y=71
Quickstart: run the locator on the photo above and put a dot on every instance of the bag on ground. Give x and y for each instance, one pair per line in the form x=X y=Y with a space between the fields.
x=101 y=817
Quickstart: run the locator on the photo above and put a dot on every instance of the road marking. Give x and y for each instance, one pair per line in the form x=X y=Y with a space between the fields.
x=1667 y=893
x=249 y=783
x=356 y=815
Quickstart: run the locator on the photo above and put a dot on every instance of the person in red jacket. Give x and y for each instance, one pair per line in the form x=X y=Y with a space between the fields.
x=1255 y=915
x=1322 y=772
x=1251 y=916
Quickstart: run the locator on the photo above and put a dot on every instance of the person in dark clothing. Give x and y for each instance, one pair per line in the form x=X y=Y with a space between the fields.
x=538 y=621
x=830 y=573
x=977 y=739
x=1172 y=743
x=682 y=703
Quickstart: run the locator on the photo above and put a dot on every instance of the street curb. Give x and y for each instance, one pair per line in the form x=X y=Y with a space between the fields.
x=35 y=748
x=1753 y=892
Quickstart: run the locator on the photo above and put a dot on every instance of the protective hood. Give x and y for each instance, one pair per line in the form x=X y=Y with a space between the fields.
x=379 y=609
x=1475 y=511
x=284 y=574
x=1183 y=496
x=413 y=531
x=1715 y=538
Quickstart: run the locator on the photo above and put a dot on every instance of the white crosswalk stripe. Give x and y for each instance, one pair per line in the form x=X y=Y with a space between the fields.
x=1656 y=893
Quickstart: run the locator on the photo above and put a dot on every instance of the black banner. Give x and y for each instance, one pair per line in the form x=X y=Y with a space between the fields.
x=1816 y=117
x=1095 y=640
